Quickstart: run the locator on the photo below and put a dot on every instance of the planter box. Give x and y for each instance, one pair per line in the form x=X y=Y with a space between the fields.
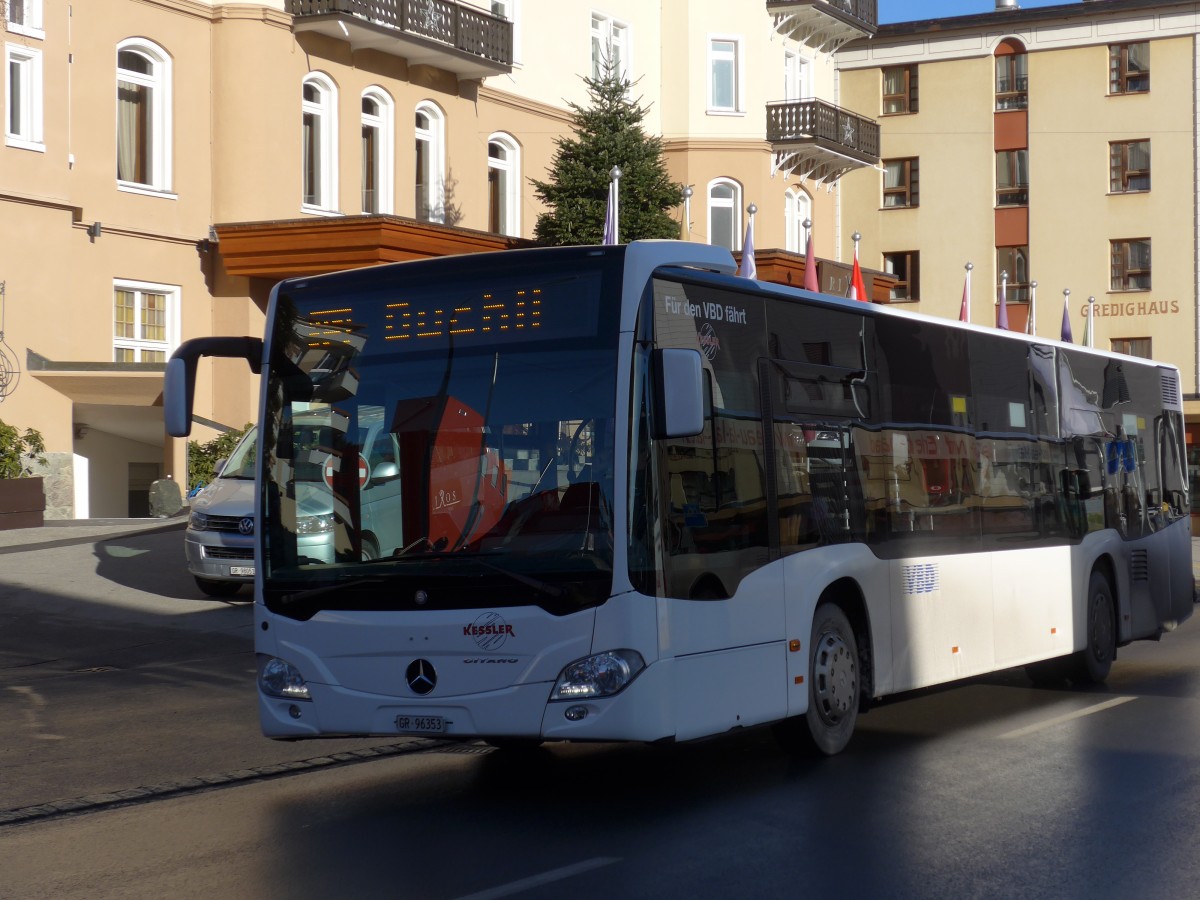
x=22 y=503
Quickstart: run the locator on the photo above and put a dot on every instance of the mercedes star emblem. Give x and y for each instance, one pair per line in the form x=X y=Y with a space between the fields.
x=421 y=676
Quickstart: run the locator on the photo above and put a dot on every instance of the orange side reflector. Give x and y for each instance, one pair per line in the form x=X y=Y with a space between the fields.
x=799 y=679
x=793 y=645
x=953 y=649
x=1054 y=631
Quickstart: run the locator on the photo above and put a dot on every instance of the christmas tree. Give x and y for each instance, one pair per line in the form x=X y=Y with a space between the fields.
x=608 y=133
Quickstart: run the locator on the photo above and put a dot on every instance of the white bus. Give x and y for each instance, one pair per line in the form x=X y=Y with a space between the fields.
x=634 y=497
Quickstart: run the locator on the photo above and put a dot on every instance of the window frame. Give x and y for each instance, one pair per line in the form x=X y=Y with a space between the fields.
x=738 y=88
x=431 y=193
x=908 y=97
x=1122 y=273
x=1127 y=346
x=1019 y=283
x=28 y=135
x=1119 y=75
x=609 y=32
x=137 y=344
x=910 y=284
x=734 y=203
x=1119 y=171
x=508 y=185
x=322 y=199
x=910 y=188
x=797 y=75
x=32 y=24
x=1017 y=65
x=1016 y=193
x=383 y=124
x=160 y=128
x=797 y=206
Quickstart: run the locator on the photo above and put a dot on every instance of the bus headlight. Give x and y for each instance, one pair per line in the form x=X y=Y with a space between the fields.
x=601 y=675
x=279 y=678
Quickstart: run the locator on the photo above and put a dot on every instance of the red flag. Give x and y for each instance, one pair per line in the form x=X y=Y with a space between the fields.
x=858 y=290
x=810 y=267
x=964 y=313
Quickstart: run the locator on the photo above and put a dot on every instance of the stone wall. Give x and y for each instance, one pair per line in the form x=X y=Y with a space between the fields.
x=59 y=475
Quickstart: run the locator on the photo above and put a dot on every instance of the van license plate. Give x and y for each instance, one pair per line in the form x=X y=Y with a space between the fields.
x=421 y=724
x=241 y=570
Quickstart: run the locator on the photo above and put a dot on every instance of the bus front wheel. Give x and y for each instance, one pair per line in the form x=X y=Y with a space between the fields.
x=834 y=685
x=1092 y=664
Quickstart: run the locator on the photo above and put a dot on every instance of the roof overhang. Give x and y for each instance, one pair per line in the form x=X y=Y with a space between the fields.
x=312 y=246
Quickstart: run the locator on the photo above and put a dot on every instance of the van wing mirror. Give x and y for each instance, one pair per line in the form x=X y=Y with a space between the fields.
x=179 y=381
x=678 y=393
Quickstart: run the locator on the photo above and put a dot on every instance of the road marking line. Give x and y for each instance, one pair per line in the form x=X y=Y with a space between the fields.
x=1058 y=720
x=533 y=881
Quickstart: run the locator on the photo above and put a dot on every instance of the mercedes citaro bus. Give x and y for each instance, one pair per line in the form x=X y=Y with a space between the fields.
x=634 y=497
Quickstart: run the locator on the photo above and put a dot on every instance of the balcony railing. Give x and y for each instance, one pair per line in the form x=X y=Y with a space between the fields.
x=818 y=140
x=463 y=39
x=825 y=24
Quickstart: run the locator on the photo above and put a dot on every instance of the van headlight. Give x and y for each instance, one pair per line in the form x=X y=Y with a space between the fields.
x=279 y=678
x=198 y=521
x=314 y=524
x=601 y=675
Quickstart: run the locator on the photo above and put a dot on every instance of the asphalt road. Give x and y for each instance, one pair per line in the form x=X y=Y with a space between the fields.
x=131 y=766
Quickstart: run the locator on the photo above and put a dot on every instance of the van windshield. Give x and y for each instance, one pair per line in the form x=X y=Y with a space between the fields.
x=241 y=461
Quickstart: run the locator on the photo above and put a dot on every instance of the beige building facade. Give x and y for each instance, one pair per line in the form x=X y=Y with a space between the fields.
x=167 y=161
x=1054 y=150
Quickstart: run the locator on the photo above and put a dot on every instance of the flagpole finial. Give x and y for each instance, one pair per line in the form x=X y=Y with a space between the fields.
x=687 y=192
x=970 y=266
x=807 y=223
x=1066 y=292
x=752 y=209
x=856 y=237
x=614 y=174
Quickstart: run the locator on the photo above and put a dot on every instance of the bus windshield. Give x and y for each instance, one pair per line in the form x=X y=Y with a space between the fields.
x=458 y=429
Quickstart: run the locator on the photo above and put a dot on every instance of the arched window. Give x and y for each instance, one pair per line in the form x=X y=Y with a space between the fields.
x=430 y=200
x=377 y=151
x=143 y=116
x=797 y=206
x=504 y=185
x=319 y=104
x=725 y=213
x=1012 y=75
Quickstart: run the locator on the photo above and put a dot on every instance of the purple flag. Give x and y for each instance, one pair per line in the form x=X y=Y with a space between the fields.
x=749 y=268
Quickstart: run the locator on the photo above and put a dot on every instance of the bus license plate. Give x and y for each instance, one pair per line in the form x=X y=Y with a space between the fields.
x=241 y=570
x=421 y=724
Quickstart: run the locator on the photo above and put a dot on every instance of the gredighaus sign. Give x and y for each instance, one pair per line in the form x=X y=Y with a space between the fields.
x=1134 y=308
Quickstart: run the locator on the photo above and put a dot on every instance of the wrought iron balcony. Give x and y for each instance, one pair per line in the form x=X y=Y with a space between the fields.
x=456 y=37
x=824 y=24
x=818 y=140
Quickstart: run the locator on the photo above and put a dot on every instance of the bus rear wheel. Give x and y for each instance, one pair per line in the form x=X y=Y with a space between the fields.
x=834 y=686
x=1092 y=664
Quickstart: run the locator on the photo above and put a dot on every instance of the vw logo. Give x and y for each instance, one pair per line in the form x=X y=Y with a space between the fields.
x=420 y=676
x=246 y=525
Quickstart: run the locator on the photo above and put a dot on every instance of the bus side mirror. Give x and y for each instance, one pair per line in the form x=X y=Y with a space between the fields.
x=678 y=393
x=178 y=384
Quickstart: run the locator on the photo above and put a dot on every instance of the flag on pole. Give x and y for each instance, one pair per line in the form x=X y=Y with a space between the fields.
x=858 y=290
x=748 y=269
x=1066 y=322
x=810 y=266
x=1031 y=322
x=964 y=310
x=1089 y=329
x=1002 y=315
x=610 y=214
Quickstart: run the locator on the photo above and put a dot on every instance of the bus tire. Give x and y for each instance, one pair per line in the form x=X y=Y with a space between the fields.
x=834 y=685
x=1092 y=664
